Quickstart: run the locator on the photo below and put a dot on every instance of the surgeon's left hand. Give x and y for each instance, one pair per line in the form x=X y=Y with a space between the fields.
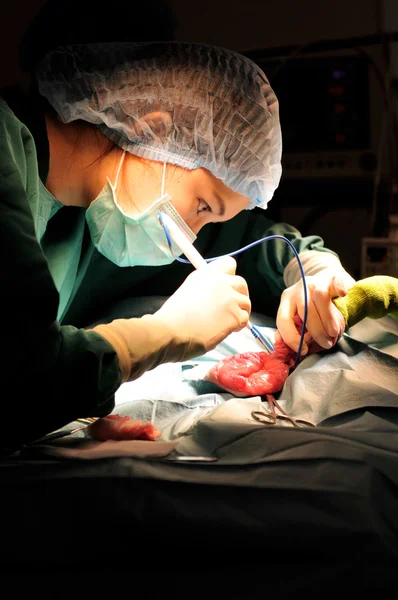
x=324 y=321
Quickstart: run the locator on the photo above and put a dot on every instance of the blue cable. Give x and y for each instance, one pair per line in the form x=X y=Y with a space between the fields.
x=254 y=329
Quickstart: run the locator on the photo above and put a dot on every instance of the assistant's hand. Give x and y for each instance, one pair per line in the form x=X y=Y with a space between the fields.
x=324 y=321
x=373 y=297
x=211 y=303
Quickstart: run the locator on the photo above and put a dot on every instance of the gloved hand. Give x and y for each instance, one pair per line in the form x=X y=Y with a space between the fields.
x=324 y=322
x=211 y=303
x=373 y=297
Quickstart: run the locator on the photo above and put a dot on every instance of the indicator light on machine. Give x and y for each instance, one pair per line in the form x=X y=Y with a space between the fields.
x=339 y=109
x=337 y=90
x=338 y=74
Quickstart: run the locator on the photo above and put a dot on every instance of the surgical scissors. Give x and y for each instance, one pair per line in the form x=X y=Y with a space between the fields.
x=271 y=417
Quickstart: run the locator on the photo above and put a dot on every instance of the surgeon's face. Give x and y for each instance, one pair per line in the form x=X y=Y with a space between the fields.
x=197 y=195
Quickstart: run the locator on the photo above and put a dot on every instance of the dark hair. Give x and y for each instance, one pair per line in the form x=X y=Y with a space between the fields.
x=64 y=22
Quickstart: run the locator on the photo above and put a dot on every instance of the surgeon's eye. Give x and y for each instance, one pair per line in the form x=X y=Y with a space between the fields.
x=203 y=206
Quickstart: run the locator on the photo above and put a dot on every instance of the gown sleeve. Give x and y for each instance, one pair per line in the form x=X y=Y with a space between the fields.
x=50 y=374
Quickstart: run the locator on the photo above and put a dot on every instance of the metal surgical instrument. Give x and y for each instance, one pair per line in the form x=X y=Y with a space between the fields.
x=271 y=417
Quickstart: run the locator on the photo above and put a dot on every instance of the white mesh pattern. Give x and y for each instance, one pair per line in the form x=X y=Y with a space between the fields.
x=189 y=104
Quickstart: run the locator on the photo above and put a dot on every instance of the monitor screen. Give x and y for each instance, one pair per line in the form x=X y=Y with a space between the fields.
x=323 y=102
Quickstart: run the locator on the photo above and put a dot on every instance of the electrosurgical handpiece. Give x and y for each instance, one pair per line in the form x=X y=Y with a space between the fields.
x=183 y=242
x=189 y=250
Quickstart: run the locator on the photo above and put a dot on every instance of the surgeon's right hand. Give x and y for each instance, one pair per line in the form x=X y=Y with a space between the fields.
x=211 y=303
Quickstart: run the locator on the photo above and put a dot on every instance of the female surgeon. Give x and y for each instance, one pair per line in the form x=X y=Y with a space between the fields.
x=113 y=134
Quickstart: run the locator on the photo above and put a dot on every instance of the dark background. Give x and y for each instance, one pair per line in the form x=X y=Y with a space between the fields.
x=331 y=63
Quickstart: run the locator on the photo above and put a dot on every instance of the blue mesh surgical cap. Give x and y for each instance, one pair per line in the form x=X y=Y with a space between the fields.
x=188 y=104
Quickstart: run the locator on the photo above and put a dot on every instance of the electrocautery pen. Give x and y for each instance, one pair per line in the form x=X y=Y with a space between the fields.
x=189 y=250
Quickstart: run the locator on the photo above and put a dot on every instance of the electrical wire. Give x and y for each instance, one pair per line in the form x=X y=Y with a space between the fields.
x=243 y=249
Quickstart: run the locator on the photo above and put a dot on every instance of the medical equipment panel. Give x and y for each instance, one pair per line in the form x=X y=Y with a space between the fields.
x=325 y=113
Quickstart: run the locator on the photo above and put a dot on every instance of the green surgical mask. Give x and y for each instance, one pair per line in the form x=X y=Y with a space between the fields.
x=133 y=241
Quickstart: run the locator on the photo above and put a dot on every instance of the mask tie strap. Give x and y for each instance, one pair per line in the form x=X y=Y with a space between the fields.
x=163 y=178
x=119 y=168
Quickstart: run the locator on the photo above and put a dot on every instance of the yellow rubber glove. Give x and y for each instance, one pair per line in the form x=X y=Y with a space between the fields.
x=373 y=297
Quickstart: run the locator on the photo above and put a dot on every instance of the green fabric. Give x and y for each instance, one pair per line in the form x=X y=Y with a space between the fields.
x=373 y=297
x=66 y=255
x=71 y=372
